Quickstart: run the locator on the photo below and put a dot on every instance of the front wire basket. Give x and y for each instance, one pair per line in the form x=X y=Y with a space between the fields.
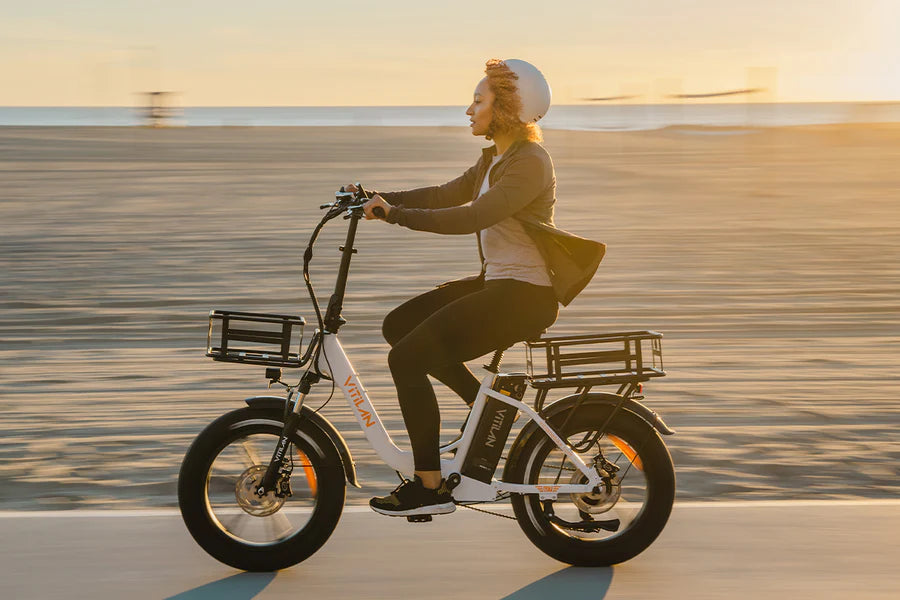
x=255 y=338
x=597 y=359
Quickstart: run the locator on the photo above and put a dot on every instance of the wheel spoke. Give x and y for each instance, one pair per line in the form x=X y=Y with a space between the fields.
x=561 y=467
x=233 y=524
x=624 y=511
x=637 y=454
x=278 y=525
x=250 y=451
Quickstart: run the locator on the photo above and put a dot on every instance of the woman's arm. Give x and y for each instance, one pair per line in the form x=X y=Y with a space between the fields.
x=522 y=182
x=453 y=193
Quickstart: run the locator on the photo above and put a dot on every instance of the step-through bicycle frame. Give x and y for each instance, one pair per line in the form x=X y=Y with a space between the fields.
x=334 y=361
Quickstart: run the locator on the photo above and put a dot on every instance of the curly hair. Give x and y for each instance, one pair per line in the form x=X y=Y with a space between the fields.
x=507 y=104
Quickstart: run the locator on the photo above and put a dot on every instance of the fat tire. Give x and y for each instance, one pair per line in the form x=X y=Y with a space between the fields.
x=660 y=475
x=192 y=492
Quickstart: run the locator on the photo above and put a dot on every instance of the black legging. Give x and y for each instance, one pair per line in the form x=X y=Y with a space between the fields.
x=436 y=332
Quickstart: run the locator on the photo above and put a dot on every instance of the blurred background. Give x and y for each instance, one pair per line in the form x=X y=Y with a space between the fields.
x=160 y=161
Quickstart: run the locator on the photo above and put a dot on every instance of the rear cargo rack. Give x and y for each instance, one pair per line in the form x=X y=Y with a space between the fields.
x=597 y=359
x=255 y=338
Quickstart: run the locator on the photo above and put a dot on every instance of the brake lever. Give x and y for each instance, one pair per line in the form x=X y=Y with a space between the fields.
x=353 y=209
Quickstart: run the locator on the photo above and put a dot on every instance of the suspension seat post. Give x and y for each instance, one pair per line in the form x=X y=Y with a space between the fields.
x=494 y=365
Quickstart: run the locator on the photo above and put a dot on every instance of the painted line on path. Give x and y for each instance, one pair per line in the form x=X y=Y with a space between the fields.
x=690 y=504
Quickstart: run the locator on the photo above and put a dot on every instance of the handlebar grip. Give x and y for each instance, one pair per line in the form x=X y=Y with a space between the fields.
x=378 y=212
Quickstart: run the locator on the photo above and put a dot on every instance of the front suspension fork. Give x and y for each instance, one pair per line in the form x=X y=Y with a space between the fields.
x=278 y=474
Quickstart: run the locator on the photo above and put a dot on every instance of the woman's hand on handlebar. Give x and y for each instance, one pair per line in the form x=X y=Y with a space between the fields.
x=370 y=207
x=377 y=202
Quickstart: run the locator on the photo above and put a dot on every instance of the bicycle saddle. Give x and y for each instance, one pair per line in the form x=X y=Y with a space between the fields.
x=537 y=336
x=494 y=365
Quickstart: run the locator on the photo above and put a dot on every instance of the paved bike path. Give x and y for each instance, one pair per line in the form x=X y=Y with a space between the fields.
x=738 y=550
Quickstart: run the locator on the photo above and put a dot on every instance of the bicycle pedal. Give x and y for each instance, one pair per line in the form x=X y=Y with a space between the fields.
x=418 y=518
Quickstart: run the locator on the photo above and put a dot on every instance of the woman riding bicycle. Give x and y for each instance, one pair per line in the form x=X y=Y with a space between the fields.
x=509 y=191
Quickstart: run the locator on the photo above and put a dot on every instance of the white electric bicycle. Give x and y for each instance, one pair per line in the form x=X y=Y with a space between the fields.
x=590 y=480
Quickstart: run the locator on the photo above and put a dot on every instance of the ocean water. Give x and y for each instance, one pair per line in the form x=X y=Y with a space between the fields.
x=590 y=117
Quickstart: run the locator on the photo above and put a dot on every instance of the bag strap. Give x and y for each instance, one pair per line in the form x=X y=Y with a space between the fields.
x=481 y=254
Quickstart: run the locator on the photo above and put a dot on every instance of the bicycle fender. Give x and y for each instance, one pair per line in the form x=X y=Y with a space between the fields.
x=269 y=402
x=594 y=398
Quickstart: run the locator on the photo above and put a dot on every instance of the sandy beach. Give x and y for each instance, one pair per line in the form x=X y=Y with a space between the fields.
x=768 y=258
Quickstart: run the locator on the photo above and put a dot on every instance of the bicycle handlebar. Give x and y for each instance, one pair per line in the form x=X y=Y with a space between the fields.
x=344 y=200
x=351 y=205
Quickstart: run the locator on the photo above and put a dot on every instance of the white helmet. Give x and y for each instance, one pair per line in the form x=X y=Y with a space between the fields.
x=534 y=91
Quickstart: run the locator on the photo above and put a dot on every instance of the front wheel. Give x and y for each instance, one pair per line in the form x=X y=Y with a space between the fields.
x=632 y=506
x=218 y=479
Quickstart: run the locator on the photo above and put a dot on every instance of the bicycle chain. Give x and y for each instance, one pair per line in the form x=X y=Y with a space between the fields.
x=487 y=512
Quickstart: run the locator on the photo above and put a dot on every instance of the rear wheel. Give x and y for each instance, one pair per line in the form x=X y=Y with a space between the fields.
x=217 y=483
x=633 y=504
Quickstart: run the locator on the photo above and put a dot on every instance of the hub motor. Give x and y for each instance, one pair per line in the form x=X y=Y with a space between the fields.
x=595 y=504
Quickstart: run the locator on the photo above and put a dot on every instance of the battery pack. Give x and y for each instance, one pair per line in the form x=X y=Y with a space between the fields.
x=493 y=429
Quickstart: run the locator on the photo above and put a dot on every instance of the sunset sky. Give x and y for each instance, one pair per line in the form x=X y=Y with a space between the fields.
x=355 y=52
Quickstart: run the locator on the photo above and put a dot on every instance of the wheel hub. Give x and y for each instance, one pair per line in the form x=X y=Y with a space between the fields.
x=245 y=493
x=596 y=503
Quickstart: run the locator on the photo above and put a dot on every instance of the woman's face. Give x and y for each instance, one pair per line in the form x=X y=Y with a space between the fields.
x=480 y=111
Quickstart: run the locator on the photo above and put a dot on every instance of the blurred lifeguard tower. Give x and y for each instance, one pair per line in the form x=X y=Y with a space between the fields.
x=157 y=109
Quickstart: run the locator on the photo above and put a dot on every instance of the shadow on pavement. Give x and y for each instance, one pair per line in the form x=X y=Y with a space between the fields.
x=593 y=583
x=242 y=586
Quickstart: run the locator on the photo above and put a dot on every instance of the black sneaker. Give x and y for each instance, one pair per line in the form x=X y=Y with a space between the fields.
x=413 y=498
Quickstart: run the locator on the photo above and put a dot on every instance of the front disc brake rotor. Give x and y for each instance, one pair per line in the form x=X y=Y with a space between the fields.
x=245 y=494
x=594 y=504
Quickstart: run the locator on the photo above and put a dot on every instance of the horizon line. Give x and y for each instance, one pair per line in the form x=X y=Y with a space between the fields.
x=588 y=103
